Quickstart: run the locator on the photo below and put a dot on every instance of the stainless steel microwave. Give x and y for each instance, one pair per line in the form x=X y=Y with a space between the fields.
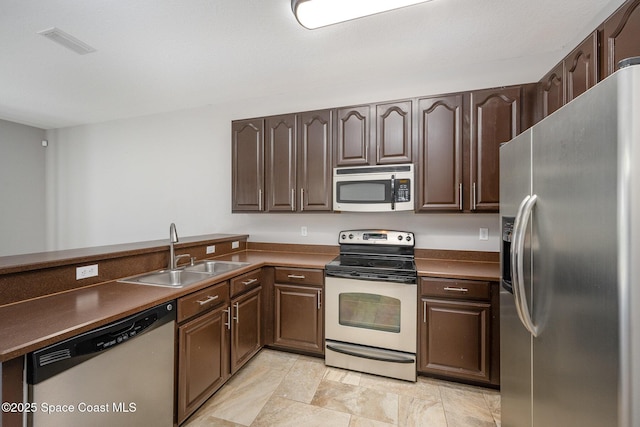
x=386 y=188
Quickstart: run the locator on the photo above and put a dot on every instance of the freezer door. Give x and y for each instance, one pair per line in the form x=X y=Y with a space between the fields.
x=515 y=340
x=575 y=354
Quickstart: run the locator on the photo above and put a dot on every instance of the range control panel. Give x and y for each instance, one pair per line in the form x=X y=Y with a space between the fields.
x=376 y=237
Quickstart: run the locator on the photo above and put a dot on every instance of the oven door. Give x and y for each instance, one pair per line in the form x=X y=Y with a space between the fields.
x=371 y=313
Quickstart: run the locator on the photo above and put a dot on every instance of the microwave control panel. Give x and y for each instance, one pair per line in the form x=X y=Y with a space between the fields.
x=403 y=190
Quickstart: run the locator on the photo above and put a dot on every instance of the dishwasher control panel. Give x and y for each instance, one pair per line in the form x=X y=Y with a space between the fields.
x=108 y=340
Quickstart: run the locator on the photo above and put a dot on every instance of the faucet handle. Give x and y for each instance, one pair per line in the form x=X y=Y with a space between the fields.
x=193 y=261
x=180 y=256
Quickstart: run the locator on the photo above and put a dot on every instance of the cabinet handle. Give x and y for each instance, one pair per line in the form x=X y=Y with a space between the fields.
x=237 y=318
x=260 y=199
x=250 y=281
x=473 y=193
x=208 y=299
x=296 y=276
x=452 y=289
x=424 y=312
x=228 y=322
x=319 y=299
x=293 y=200
x=301 y=199
x=460 y=195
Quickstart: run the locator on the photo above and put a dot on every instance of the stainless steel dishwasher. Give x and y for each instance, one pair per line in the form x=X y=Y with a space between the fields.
x=119 y=374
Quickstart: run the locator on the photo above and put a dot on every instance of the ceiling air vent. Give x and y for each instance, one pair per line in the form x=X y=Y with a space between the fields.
x=66 y=40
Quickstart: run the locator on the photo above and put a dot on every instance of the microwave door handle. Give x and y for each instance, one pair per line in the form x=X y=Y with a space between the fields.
x=393 y=192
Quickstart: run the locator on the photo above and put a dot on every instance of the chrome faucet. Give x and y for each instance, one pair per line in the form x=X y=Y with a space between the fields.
x=173 y=238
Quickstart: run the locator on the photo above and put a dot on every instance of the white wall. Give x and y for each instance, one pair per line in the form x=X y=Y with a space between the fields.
x=127 y=180
x=22 y=189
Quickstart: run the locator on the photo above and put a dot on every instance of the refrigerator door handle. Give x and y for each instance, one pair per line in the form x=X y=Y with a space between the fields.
x=517 y=263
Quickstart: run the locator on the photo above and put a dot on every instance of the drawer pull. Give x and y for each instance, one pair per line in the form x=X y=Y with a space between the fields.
x=209 y=299
x=250 y=281
x=452 y=289
x=296 y=276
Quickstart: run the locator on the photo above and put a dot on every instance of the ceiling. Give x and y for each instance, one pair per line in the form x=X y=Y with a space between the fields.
x=156 y=56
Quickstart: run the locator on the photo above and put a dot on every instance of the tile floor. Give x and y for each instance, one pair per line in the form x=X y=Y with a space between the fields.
x=284 y=389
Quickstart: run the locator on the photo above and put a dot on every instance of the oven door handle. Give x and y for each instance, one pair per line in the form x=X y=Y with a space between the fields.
x=370 y=355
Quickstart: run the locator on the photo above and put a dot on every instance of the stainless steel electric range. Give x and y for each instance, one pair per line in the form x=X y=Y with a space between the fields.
x=371 y=304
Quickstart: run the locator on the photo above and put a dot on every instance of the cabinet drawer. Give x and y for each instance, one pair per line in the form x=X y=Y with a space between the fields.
x=201 y=301
x=451 y=288
x=305 y=276
x=245 y=282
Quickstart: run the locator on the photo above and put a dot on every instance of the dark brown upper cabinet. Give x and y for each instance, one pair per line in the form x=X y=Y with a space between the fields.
x=247 y=165
x=315 y=144
x=393 y=133
x=621 y=36
x=495 y=118
x=281 y=163
x=576 y=73
x=581 y=68
x=298 y=162
x=440 y=153
x=552 y=90
x=353 y=134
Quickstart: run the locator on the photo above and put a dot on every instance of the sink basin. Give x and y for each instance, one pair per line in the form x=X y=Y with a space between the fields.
x=185 y=276
x=215 y=267
x=169 y=278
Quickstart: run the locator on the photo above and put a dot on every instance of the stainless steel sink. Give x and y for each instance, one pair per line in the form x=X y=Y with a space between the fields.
x=216 y=267
x=185 y=276
x=170 y=278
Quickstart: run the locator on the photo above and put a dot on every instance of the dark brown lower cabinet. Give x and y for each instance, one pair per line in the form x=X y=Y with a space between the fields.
x=455 y=339
x=203 y=360
x=245 y=330
x=298 y=311
x=456 y=331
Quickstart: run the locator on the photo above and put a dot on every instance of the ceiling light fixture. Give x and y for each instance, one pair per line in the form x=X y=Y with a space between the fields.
x=313 y=14
x=67 y=40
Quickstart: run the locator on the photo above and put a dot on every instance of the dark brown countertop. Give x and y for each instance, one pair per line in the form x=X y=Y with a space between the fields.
x=40 y=260
x=33 y=324
x=454 y=269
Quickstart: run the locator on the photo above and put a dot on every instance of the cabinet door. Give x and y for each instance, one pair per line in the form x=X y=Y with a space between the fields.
x=621 y=36
x=315 y=140
x=393 y=133
x=440 y=153
x=203 y=361
x=281 y=163
x=247 y=165
x=581 y=67
x=353 y=136
x=454 y=339
x=298 y=318
x=552 y=90
x=245 y=328
x=495 y=118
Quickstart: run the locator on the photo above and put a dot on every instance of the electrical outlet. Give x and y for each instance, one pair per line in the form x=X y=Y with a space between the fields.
x=303 y=231
x=235 y=245
x=484 y=234
x=211 y=249
x=86 y=271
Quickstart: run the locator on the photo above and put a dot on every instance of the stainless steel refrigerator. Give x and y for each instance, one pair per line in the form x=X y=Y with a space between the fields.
x=570 y=294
